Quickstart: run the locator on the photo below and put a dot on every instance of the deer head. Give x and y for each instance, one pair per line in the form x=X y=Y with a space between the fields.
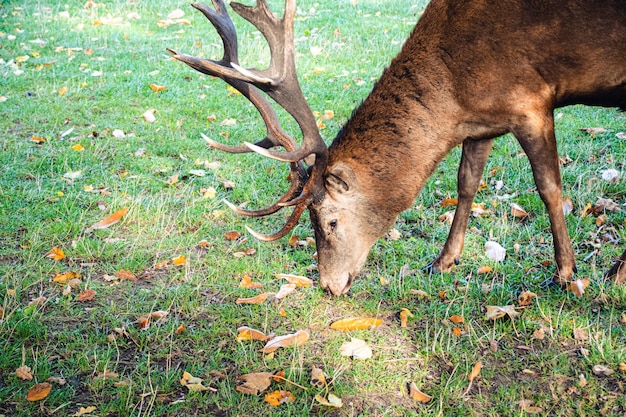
x=331 y=192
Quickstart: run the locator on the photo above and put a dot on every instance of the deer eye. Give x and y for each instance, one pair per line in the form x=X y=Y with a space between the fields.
x=333 y=225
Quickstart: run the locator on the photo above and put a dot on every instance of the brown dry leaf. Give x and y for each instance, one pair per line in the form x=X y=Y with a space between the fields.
x=157 y=88
x=66 y=276
x=593 y=131
x=254 y=383
x=496 y=312
x=475 y=371
x=123 y=274
x=447 y=217
x=356 y=323
x=578 y=286
x=38 y=301
x=526 y=298
x=484 y=269
x=56 y=253
x=602 y=370
x=86 y=295
x=181 y=329
x=38 y=391
x=285 y=290
x=253 y=300
x=528 y=407
x=518 y=211
x=180 y=260
x=418 y=395
x=539 y=334
x=293 y=240
x=246 y=333
x=107 y=376
x=622 y=367
x=277 y=398
x=457 y=331
x=232 y=235
x=108 y=221
x=580 y=334
x=294 y=339
x=456 y=319
x=298 y=280
x=1 y=313
x=420 y=293
x=331 y=400
x=24 y=372
x=246 y=282
x=405 y=313
x=318 y=378
x=448 y=202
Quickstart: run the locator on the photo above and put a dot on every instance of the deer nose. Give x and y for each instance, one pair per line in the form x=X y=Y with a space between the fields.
x=337 y=287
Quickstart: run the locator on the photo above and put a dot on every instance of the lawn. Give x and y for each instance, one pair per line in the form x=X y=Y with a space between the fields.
x=110 y=316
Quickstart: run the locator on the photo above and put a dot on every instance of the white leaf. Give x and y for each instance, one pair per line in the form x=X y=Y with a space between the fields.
x=176 y=14
x=72 y=175
x=494 y=251
x=285 y=289
x=610 y=174
x=118 y=133
x=148 y=115
x=356 y=348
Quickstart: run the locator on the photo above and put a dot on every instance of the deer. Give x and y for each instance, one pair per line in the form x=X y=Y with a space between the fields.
x=470 y=71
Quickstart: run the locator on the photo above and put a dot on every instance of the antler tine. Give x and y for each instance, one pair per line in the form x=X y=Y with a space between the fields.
x=290 y=224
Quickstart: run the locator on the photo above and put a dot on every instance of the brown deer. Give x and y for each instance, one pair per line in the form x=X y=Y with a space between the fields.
x=472 y=70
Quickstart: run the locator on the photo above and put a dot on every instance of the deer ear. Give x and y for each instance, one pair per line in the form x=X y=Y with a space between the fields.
x=341 y=180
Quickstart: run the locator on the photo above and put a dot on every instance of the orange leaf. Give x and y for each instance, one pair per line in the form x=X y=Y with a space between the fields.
x=518 y=211
x=66 y=276
x=405 y=313
x=418 y=395
x=277 y=398
x=38 y=391
x=253 y=300
x=300 y=281
x=124 y=274
x=232 y=235
x=109 y=220
x=156 y=88
x=181 y=329
x=87 y=295
x=38 y=139
x=181 y=260
x=359 y=323
x=448 y=202
x=484 y=269
x=63 y=91
x=56 y=254
x=246 y=333
x=456 y=319
x=295 y=339
x=526 y=298
x=457 y=332
x=246 y=282
x=475 y=371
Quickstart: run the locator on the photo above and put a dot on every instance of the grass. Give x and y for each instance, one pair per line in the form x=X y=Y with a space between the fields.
x=106 y=58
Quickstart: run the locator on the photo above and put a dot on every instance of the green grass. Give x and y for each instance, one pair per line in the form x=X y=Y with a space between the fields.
x=107 y=69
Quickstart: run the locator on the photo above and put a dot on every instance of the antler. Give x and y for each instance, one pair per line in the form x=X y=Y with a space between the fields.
x=280 y=82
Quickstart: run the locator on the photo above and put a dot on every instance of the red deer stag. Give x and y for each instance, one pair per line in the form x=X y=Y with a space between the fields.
x=472 y=70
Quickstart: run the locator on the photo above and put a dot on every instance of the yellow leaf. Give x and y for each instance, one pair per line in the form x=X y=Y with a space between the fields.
x=66 y=276
x=78 y=147
x=475 y=371
x=295 y=339
x=38 y=391
x=277 y=398
x=109 y=220
x=63 y=91
x=318 y=378
x=246 y=333
x=173 y=180
x=299 y=281
x=180 y=260
x=84 y=410
x=418 y=395
x=157 y=88
x=38 y=139
x=246 y=282
x=253 y=300
x=330 y=401
x=355 y=323
x=56 y=254
x=22 y=58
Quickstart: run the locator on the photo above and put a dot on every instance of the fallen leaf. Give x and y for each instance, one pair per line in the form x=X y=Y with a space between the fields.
x=448 y=202
x=38 y=391
x=78 y=147
x=593 y=131
x=181 y=329
x=356 y=323
x=601 y=370
x=568 y=205
x=84 y=410
x=496 y=312
x=56 y=254
x=405 y=313
x=194 y=383
x=232 y=235
x=528 y=407
x=123 y=274
x=418 y=395
x=63 y=91
x=318 y=378
x=580 y=334
x=526 y=298
x=108 y=221
x=180 y=260
x=66 y=276
x=518 y=211
x=176 y=14
x=253 y=300
x=420 y=293
x=277 y=398
x=484 y=269
x=331 y=400
x=157 y=88
x=24 y=372
x=456 y=319
x=285 y=290
x=86 y=295
x=107 y=376
x=149 y=116
x=539 y=334
x=475 y=371
x=457 y=332
x=356 y=348
x=294 y=339
x=254 y=383
x=246 y=333
x=578 y=286
x=494 y=251
x=246 y=282
x=298 y=280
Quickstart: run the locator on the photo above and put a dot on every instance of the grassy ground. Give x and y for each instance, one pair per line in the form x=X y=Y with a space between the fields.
x=75 y=74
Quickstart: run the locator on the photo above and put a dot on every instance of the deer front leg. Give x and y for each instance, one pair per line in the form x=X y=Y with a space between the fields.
x=538 y=141
x=473 y=160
